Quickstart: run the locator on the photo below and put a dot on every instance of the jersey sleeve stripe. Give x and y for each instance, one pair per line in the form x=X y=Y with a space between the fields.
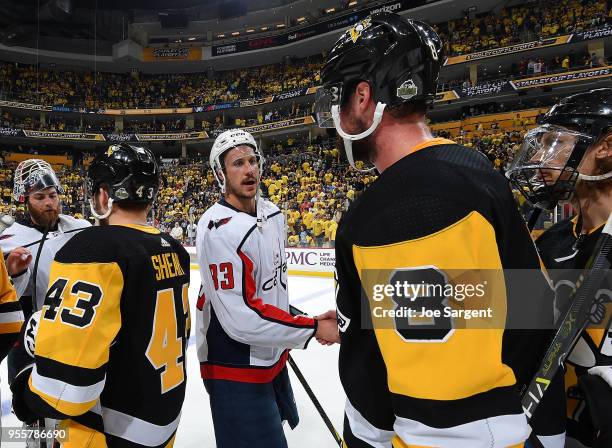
x=504 y=430
x=65 y=391
x=444 y=413
x=78 y=376
x=64 y=407
x=266 y=311
x=11 y=327
x=11 y=317
x=360 y=428
x=136 y=430
x=8 y=307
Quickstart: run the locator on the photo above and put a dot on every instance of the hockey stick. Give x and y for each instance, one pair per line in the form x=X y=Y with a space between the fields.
x=315 y=401
x=294 y=311
x=533 y=218
x=5 y=222
x=574 y=322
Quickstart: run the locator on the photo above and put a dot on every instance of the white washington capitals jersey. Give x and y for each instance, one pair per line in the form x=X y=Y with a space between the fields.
x=20 y=235
x=244 y=327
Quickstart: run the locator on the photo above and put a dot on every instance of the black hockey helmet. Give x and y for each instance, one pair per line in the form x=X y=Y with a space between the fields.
x=130 y=172
x=588 y=112
x=545 y=169
x=400 y=58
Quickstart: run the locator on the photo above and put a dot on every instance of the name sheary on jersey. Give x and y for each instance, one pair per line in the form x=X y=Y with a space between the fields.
x=166 y=266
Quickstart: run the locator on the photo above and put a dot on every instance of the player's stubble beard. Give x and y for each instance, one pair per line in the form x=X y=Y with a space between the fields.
x=363 y=149
x=238 y=191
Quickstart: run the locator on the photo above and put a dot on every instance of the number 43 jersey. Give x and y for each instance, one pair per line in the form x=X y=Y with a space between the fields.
x=110 y=347
x=243 y=325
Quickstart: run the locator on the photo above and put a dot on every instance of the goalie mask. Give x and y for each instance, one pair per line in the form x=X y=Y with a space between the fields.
x=546 y=168
x=399 y=58
x=34 y=175
x=130 y=173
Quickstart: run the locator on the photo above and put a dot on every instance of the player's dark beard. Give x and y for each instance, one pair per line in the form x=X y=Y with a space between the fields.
x=46 y=218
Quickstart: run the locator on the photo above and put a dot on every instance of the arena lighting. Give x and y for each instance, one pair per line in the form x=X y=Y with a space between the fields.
x=352 y=3
x=330 y=10
x=192 y=38
x=280 y=25
x=301 y=19
x=236 y=33
x=264 y=28
x=250 y=31
x=220 y=36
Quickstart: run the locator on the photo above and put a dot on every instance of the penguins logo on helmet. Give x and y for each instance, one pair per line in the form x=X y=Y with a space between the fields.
x=359 y=28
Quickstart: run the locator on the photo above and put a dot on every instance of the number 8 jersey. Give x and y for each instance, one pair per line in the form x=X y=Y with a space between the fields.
x=110 y=348
x=440 y=216
x=243 y=323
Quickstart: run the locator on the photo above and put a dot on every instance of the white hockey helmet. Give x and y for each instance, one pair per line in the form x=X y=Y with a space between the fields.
x=227 y=140
x=34 y=175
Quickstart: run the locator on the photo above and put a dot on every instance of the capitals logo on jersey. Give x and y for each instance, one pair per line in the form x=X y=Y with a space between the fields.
x=218 y=223
x=280 y=270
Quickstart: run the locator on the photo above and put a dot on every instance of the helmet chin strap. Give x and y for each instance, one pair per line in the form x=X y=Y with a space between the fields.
x=96 y=214
x=595 y=178
x=349 y=138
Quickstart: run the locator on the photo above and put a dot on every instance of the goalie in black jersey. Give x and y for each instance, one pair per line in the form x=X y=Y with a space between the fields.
x=109 y=344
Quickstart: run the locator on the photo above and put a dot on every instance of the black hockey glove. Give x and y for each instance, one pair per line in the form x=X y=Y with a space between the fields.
x=24 y=359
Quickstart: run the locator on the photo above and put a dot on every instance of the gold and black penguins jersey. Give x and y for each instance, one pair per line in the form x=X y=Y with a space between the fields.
x=11 y=316
x=565 y=254
x=110 y=347
x=436 y=215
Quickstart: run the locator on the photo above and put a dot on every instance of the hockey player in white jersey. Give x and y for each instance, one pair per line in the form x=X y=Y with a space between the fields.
x=244 y=328
x=31 y=244
x=36 y=185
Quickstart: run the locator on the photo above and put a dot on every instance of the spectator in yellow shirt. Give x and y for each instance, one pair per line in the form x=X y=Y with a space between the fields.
x=293 y=240
x=318 y=231
x=330 y=227
x=307 y=219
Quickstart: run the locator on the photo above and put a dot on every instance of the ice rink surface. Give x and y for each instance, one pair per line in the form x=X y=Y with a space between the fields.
x=318 y=364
